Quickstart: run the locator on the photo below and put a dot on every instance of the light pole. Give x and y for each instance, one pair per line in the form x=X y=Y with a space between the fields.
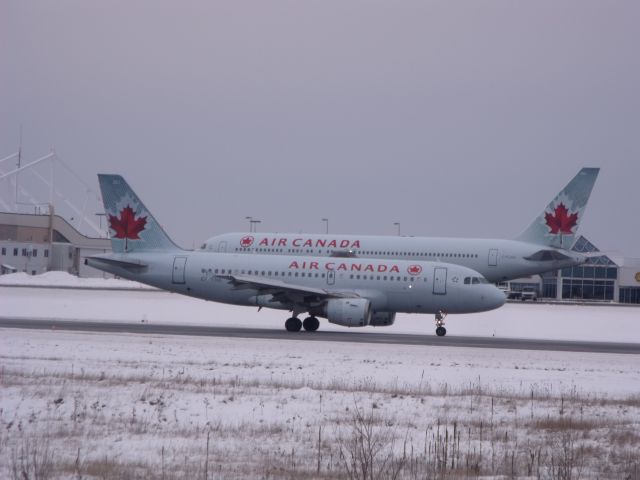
x=397 y=224
x=326 y=222
x=249 y=218
x=253 y=225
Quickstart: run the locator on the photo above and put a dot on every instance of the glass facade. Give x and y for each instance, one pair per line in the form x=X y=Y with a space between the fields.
x=580 y=288
x=594 y=280
x=629 y=294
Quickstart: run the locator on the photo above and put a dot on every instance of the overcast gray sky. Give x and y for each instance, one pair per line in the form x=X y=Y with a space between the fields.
x=452 y=118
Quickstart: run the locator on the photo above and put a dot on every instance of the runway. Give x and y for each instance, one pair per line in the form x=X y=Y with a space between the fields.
x=344 y=336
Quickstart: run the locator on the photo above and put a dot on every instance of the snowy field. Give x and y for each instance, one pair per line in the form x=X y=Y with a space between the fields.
x=84 y=405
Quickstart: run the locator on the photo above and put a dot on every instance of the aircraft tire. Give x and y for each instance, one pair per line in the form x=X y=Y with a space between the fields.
x=441 y=331
x=311 y=324
x=293 y=324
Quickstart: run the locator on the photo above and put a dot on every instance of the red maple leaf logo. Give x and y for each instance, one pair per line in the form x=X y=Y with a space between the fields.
x=414 y=269
x=560 y=221
x=246 y=241
x=127 y=226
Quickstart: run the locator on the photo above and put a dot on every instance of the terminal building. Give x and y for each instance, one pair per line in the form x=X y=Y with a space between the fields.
x=36 y=244
x=602 y=278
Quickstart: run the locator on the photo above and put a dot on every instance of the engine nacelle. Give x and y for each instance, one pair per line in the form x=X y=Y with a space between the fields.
x=382 y=319
x=349 y=312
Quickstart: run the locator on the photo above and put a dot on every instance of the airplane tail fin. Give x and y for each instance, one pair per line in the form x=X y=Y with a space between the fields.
x=557 y=225
x=131 y=226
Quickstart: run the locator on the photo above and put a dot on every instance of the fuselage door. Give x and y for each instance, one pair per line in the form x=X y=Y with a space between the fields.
x=222 y=247
x=440 y=281
x=178 y=269
x=331 y=277
x=493 y=257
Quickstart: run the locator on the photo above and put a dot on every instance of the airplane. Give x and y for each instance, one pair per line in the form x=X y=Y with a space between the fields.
x=542 y=247
x=352 y=292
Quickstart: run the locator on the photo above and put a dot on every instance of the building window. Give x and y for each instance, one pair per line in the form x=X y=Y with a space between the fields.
x=15 y=252
x=46 y=253
x=587 y=289
x=629 y=294
x=4 y=251
x=35 y=252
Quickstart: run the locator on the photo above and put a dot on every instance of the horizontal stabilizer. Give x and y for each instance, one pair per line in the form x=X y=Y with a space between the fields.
x=129 y=264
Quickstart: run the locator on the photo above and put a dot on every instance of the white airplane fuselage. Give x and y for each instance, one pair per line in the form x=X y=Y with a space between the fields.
x=496 y=259
x=387 y=284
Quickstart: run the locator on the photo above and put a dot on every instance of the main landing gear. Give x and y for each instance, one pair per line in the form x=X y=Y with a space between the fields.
x=294 y=324
x=440 y=330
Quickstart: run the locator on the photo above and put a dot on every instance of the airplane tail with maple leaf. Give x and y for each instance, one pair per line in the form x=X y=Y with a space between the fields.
x=557 y=226
x=132 y=227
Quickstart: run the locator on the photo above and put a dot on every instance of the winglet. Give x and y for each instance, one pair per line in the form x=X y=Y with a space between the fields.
x=557 y=225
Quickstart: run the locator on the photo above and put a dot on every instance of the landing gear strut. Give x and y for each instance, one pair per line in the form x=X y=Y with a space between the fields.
x=293 y=324
x=440 y=330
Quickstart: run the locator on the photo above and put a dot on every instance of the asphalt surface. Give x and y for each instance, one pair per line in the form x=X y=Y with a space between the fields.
x=344 y=336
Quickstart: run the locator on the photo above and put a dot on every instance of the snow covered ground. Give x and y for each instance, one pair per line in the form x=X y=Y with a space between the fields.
x=108 y=406
x=148 y=406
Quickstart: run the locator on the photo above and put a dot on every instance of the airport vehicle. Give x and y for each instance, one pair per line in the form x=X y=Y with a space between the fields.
x=543 y=246
x=352 y=292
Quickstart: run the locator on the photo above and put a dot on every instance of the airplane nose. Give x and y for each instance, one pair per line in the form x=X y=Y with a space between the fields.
x=493 y=297
x=498 y=297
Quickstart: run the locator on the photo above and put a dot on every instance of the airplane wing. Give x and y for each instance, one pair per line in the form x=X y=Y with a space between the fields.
x=284 y=291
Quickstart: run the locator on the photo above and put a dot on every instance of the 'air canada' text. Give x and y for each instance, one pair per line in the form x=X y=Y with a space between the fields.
x=350 y=267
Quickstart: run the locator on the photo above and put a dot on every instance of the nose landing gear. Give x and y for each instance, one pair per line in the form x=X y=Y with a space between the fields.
x=440 y=330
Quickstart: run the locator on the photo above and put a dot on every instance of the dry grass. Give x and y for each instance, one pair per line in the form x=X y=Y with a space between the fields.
x=144 y=422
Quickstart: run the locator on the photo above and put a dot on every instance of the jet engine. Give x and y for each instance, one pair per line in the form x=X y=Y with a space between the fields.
x=349 y=312
x=382 y=319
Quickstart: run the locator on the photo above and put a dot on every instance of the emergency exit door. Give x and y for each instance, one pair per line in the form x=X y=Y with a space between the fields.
x=178 y=269
x=440 y=281
x=493 y=257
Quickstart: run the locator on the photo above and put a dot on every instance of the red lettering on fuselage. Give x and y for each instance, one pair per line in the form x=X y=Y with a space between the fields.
x=352 y=267
x=308 y=243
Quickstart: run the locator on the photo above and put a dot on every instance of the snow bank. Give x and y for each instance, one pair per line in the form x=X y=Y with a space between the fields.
x=66 y=280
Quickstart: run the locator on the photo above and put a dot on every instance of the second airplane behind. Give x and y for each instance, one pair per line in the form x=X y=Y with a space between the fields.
x=543 y=246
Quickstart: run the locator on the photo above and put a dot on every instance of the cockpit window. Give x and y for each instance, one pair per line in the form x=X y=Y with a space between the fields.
x=475 y=280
